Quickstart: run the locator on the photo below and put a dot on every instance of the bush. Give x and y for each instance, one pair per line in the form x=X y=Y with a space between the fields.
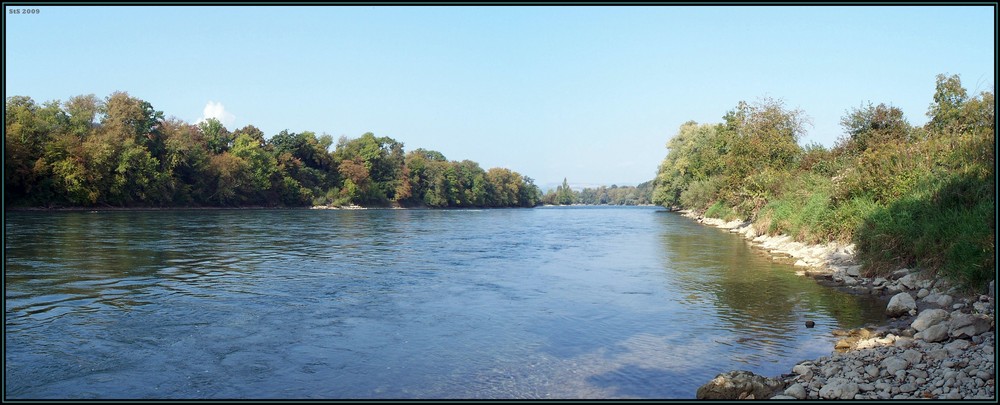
x=701 y=194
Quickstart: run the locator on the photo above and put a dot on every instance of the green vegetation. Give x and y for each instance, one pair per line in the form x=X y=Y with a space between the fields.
x=122 y=152
x=906 y=196
x=603 y=195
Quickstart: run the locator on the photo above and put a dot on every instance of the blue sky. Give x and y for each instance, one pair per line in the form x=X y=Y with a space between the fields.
x=588 y=93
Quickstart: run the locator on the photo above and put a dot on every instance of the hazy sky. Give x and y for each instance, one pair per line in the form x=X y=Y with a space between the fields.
x=588 y=93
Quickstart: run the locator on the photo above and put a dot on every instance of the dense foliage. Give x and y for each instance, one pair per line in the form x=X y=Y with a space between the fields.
x=121 y=152
x=602 y=195
x=906 y=196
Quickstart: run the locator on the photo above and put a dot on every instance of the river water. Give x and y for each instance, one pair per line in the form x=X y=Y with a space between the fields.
x=571 y=302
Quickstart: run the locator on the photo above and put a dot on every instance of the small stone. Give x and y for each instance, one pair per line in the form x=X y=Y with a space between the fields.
x=907 y=388
x=796 y=391
x=909 y=281
x=943 y=300
x=871 y=370
x=912 y=356
x=803 y=370
x=894 y=364
x=839 y=388
x=903 y=342
x=831 y=370
x=923 y=293
x=937 y=354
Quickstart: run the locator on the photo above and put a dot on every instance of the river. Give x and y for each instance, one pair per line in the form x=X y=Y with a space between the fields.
x=553 y=302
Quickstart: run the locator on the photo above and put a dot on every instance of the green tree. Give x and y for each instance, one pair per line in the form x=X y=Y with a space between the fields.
x=83 y=112
x=945 y=112
x=217 y=137
x=873 y=125
x=186 y=160
x=28 y=128
x=697 y=153
x=564 y=194
x=261 y=164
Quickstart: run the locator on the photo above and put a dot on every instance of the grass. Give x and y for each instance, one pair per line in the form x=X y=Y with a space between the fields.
x=722 y=211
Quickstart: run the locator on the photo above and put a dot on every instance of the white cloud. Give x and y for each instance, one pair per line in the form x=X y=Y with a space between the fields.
x=218 y=111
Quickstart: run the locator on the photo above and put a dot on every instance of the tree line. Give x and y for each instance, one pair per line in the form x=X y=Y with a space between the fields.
x=601 y=195
x=121 y=152
x=905 y=195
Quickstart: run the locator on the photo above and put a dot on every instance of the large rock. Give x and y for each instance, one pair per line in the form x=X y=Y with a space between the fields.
x=739 y=385
x=928 y=318
x=839 y=388
x=942 y=300
x=900 y=304
x=968 y=325
x=935 y=333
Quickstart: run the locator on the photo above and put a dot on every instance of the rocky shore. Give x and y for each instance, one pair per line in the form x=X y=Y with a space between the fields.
x=938 y=343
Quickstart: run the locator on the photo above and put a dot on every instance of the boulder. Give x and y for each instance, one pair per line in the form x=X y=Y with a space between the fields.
x=942 y=300
x=739 y=385
x=935 y=333
x=928 y=318
x=900 y=304
x=968 y=325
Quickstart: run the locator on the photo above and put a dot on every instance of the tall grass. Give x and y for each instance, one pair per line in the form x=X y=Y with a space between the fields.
x=946 y=225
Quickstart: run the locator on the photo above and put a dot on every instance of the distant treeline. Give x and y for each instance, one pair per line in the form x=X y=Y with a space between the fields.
x=121 y=152
x=907 y=196
x=603 y=195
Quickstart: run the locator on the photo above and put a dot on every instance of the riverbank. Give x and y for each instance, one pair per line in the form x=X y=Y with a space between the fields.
x=937 y=342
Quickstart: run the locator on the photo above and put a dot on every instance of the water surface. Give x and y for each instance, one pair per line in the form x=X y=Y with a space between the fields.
x=580 y=302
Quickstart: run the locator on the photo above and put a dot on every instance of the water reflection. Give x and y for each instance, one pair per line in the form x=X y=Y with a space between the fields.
x=755 y=302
